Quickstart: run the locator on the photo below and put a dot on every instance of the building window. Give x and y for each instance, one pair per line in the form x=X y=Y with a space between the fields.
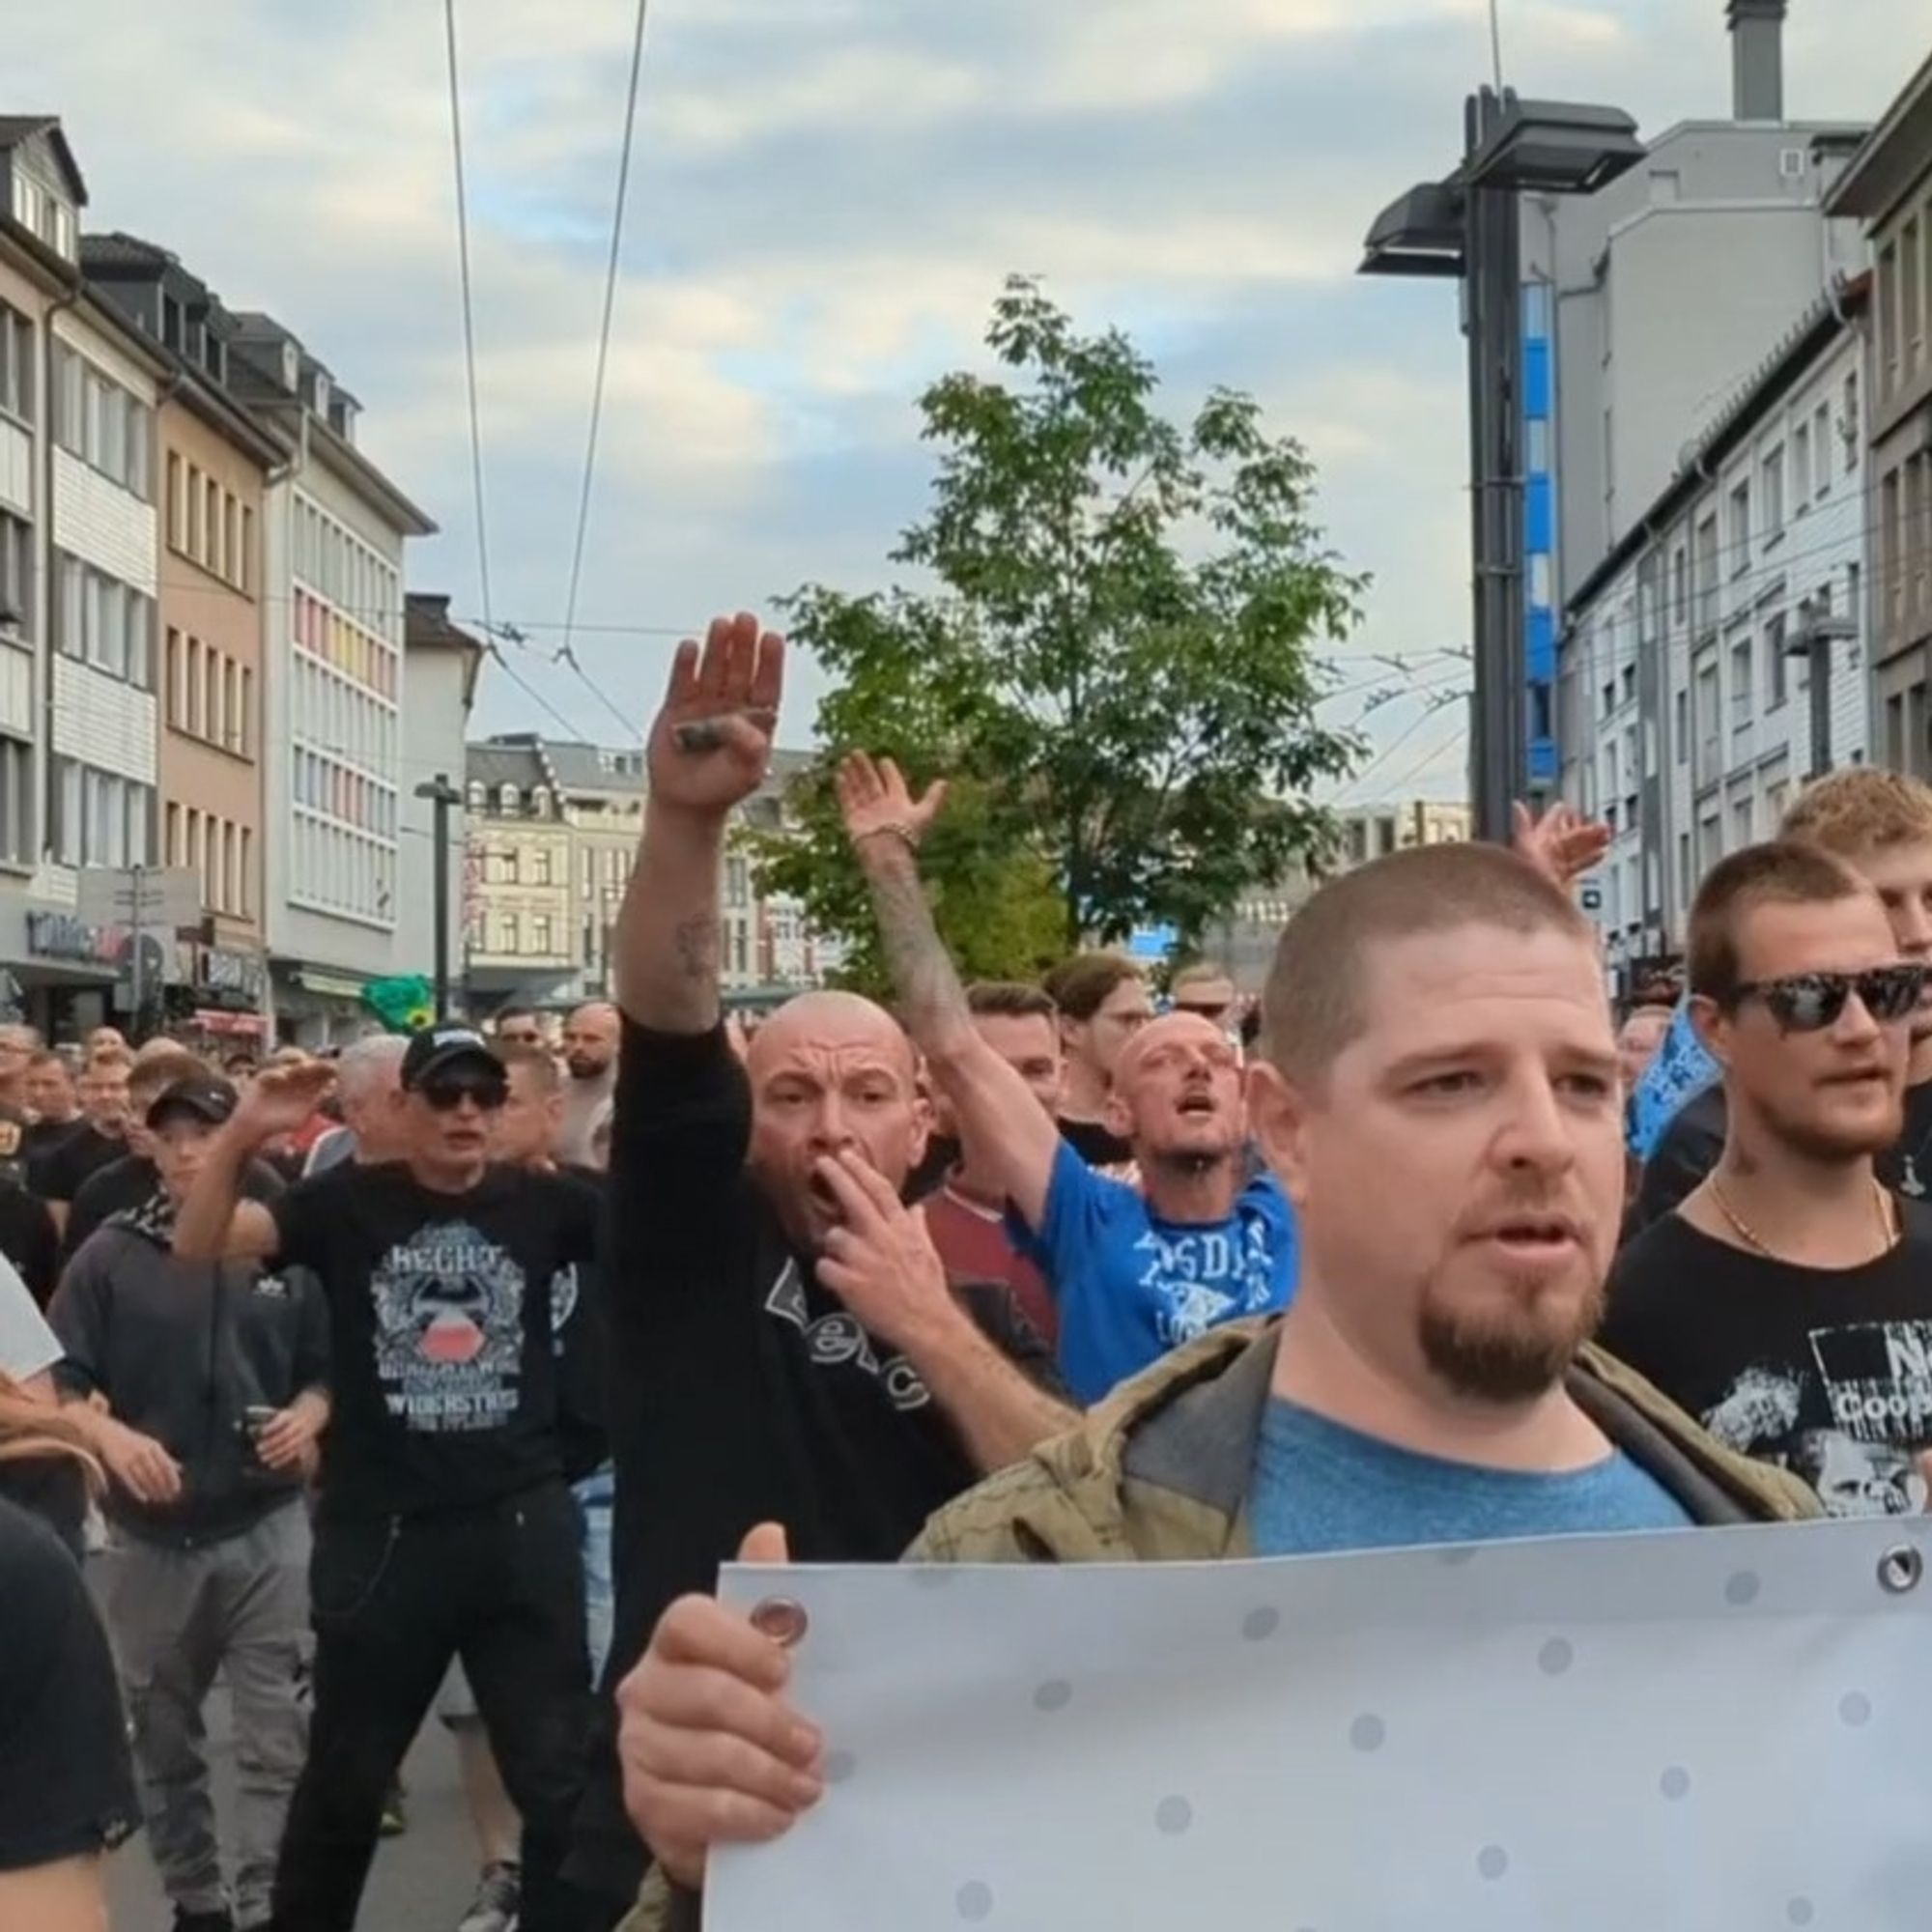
x=540 y=935
x=1801 y=467
x=1821 y=450
x=100 y=818
x=17 y=803
x=1680 y=725
x=540 y=801
x=1849 y=426
x=102 y=621
x=538 y=857
x=1776 y=665
x=1911 y=299
x=506 y=801
x=1739 y=530
x=512 y=937
x=244 y=719
x=17 y=365
x=16 y=580
x=1741 y=682
x=1772 y=482
x=1707 y=574
x=245 y=555
x=209 y=556
x=480 y=796
x=98 y=421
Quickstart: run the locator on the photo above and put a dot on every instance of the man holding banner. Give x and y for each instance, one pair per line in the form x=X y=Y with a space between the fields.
x=1437 y=1017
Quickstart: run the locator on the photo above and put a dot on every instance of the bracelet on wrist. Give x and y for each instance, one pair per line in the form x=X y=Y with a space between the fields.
x=902 y=832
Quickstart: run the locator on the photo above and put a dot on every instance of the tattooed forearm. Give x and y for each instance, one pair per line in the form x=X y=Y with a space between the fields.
x=697 y=949
x=668 y=946
x=929 y=993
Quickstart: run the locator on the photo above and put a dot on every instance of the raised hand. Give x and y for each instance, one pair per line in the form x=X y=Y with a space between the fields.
x=875 y=801
x=280 y=1098
x=711 y=746
x=1562 y=844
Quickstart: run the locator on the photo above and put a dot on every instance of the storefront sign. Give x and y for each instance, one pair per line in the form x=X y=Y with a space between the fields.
x=231 y=979
x=59 y=935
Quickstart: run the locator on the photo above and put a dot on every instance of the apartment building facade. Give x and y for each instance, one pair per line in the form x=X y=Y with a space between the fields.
x=1889 y=189
x=214 y=461
x=78 y=556
x=335 y=527
x=553 y=829
x=1717 y=659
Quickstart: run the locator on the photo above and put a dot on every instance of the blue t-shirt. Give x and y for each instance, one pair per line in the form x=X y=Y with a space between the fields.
x=1129 y=1286
x=1320 y=1487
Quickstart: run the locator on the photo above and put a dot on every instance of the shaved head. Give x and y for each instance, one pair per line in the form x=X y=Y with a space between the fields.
x=831 y=1074
x=829 y=1019
x=1158 y=1032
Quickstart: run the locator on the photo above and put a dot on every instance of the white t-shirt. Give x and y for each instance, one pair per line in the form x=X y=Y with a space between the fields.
x=27 y=1344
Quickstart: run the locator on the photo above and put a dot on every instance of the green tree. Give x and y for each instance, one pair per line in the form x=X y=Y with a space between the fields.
x=1117 y=659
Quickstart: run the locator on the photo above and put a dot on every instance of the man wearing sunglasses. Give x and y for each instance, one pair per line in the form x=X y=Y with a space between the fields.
x=445 y=1527
x=1880 y=824
x=1787 y=1302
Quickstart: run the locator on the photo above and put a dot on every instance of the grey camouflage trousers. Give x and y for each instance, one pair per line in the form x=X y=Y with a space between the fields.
x=177 y=1616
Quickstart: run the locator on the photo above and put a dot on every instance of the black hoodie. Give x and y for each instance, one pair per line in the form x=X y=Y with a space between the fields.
x=181 y=1351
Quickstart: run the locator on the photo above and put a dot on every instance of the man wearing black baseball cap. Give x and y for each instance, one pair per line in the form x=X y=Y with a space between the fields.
x=445 y=1527
x=215 y=1378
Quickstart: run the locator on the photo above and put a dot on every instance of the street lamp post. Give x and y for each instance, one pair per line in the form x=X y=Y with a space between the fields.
x=1468 y=227
x=443 y=797
x=1817 y=632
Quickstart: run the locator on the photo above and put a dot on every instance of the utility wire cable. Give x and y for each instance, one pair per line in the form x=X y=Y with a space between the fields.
x=468 y=309
x=566 y=652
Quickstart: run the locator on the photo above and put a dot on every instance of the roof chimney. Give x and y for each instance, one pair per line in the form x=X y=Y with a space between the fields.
x=1758 y=59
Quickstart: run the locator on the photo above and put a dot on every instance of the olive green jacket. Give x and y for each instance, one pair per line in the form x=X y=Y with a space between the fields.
x=1160 y=1472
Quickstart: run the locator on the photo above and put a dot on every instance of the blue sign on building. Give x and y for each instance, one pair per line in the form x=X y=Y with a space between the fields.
x=1539 y=531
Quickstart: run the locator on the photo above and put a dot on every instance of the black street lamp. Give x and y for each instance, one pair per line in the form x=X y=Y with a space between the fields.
x=1468 y=227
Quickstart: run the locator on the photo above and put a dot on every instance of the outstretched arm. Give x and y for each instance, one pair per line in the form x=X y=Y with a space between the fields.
x=215 y=1222
x=709 y=749
x=1006 y=1134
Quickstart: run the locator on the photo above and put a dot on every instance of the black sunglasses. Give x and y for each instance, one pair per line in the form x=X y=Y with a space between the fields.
x=1811 y=1001
x=444 y=1090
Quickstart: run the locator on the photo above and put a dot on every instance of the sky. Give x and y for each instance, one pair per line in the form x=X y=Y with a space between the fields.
x=824 y=199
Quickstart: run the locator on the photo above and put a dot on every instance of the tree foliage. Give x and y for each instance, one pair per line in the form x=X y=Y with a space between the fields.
x=1114 y=653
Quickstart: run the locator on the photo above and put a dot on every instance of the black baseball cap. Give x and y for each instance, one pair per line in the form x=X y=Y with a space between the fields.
x=206 y=1095
x=434 y=1048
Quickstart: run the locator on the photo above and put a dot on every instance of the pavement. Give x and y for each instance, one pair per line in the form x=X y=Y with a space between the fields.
x=421 y=1882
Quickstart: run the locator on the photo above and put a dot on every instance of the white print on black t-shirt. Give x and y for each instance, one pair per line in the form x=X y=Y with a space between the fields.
x=1856 y=1442
x=450 y=1330
x=1199 y=1278
x=564 y=1291
x=833 y=1339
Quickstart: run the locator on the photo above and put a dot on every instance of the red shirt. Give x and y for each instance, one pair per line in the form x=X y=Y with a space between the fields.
x=973 y=1242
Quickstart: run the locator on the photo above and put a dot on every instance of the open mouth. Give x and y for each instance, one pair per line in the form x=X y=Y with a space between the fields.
x=1199 y=1107
x=1535 y=1235
x=823 y=1199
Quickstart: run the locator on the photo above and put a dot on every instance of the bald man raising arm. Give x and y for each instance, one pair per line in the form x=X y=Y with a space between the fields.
x=788 y=1346
x=1207 y=1235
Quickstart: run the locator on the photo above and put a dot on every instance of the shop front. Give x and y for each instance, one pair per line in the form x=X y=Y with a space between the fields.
x=71 y=977
x=222 y=1000
x=316 y=1007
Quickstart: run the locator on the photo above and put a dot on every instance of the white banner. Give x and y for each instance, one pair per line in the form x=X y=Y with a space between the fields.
x=1712 y=1731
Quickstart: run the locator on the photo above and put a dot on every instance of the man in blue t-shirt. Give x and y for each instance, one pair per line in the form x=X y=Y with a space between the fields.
x=1204 y=1237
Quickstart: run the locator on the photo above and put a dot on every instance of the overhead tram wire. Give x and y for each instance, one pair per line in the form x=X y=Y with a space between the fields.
x=566 y=652
x=469 y=311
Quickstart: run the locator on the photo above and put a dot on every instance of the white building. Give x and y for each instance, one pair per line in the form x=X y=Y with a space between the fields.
x=1714 y=660
x=79 y=548
x=336 y=774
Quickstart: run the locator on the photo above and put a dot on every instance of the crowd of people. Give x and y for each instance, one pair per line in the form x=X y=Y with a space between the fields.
x=442 y=1379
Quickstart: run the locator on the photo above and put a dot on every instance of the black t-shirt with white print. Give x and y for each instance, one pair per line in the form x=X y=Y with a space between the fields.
x=442 y=1316
x=1825 y=1372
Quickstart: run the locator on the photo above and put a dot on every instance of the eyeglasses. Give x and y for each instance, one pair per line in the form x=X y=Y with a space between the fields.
x=448 y=1090
x=1811 y=1001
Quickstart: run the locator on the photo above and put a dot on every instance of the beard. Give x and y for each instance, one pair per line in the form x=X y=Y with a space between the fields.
x=1516 y=1354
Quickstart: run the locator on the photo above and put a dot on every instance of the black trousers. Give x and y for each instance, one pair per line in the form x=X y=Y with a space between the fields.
x=392 y=1602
